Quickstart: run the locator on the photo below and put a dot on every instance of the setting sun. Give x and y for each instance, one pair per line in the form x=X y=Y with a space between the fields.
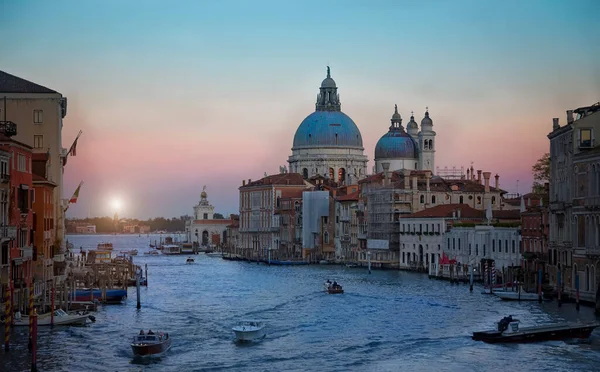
x=116 y=204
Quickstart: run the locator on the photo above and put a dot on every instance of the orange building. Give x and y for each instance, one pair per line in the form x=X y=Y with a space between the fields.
x=43 y=220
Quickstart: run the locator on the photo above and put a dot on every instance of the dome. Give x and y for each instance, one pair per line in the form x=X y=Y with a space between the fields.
x=396 y=144
x=328 y=83
x=326 y=129
x=426 y=120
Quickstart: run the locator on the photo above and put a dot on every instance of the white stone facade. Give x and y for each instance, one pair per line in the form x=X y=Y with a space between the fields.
x=204 y=229
x=470 y=245
x=421 y=242
x=329 y=162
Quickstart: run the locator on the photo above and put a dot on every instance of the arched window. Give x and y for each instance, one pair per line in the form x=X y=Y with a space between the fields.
x=422 y=199
x=432 y=199
x=326 y=238
x=587 y=278
x=493 y=200
x=305 y=173
x=331 y=174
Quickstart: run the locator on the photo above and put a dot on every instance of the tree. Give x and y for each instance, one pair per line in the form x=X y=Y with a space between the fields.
x=541 y=174
x=218 y=216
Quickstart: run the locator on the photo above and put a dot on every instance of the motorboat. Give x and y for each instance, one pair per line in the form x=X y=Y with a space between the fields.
x=150 y=344
x=508 y=330
x=152 y=252
x=89 y=294
x=132 y=252
x=61 y=317
x=517 y=296
x=214 y=254
x=249 y=330
x=333 y=287
x=189 y=261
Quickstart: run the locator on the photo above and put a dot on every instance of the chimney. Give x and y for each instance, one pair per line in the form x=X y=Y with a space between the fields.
x=415 y=184
x=479 y=176
x=406 y=174
x=249 y=180
x=570 y=116
x=458 y=213
x=386 y=173
x=243 y=182
x=555 y=124
x=472 y=173
x=468 y=174
x=497 y=185
x=486 y=180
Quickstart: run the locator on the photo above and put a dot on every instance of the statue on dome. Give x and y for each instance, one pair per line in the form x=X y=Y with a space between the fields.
x=328 y=72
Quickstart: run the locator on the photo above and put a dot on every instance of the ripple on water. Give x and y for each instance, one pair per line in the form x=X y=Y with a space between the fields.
x=386 y=321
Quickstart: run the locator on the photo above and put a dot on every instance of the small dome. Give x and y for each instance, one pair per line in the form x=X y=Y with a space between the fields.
x=328 y=83
x=203 y=194
x=412 y=124
x=396 y=144
x=327 y=128
x=426 y=120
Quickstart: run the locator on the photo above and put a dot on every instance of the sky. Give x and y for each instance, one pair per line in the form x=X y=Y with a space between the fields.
x=172 y=96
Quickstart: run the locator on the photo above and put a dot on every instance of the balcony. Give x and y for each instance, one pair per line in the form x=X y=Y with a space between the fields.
x=8 y=232
x=47 y=235
x=592 y=202
x=27 y=253
x=592 y=252
x=4 y=178
x=8 y=128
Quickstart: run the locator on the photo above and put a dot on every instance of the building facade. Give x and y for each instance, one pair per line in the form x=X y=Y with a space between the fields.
x=8 y=232
x=205 y=230
x=39 y=112
x=43 y=208
x=346 y=226
x=568 y=186
x=259 y=222
x=328 y=142
x=534 y=238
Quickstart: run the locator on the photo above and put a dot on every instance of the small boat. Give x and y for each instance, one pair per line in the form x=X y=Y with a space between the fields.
x=323 y=262
x=104 y=247
x=112 y=295
x=61 y=317
x=333 y=288
x=352 y=265
x=189 y=260
x=153 y=252
x=508 y=330
x=132 y=252
x=517 y=296
x=150 y=344
x=214 y=254
x=495 y=290
x=249 y=330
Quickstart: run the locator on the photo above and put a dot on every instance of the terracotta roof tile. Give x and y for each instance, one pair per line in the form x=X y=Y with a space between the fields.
x=350 y=197
x=294 y=179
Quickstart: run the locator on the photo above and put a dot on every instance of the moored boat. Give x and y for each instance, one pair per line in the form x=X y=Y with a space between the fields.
x=517 y=296
x=61 y=317
x=214 y=254
x=112 y=295
x=508 y=330
x=249 y=330
x=150 y=344
x=152 y=252
x=189 y=260
x=104 y=246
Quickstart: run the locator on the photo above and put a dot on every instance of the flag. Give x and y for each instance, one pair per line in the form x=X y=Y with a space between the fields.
x=76 y=194
x=73 y=148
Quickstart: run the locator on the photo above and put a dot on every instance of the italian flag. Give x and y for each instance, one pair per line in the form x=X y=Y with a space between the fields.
x=76 y=194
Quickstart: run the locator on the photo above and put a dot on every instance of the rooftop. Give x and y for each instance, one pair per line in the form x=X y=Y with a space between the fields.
x=292 y=179
x=14 y=84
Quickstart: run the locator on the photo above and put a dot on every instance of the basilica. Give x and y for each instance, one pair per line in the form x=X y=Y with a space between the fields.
x=328 y=142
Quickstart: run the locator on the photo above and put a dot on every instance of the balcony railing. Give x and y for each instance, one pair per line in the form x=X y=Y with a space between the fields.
x=592 y=202
x=8 y=128
x=9 y=232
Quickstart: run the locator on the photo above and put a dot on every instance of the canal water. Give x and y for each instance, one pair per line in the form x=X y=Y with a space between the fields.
x=385 y=321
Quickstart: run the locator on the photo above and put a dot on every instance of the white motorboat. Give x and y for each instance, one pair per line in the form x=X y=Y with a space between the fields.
x=249 y=330
x=61 y=317
x=214 y=254
x=152 y=252
x=189 y=261
x=516 y=296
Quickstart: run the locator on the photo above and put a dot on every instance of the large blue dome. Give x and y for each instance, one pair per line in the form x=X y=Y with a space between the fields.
x=328 y=128
x=396 y=144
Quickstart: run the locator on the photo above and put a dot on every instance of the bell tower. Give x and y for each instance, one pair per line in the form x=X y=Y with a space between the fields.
x=427 y=144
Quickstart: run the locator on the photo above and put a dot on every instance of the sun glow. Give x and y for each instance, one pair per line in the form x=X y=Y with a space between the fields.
x=116 y=204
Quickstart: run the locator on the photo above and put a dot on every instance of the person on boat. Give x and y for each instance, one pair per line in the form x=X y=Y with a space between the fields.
x=150 y=332
x=141 y=332
x=335 y=285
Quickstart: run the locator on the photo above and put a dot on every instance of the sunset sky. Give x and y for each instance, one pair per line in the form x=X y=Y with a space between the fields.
x=175 y=95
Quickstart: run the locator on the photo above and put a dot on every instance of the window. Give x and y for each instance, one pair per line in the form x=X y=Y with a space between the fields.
x=585 y=138
x=432 y=199
x=38 y=141
x=205 y=216
x=326 y=238
x=422 y=199
x=461 y=200
x=22 y=163
x=513 y=246
x=3 y=168
x=493 y=246
x=38 y=116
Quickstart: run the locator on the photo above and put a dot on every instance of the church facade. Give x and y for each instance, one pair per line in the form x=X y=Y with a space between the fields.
x=204 y=230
